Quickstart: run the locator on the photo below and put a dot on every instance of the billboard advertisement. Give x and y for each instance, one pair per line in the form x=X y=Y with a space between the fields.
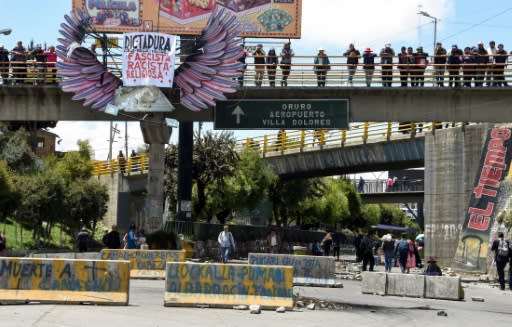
x=258 y=18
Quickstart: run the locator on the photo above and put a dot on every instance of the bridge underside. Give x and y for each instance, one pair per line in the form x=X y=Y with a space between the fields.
x=400 y=154
x=393 y=197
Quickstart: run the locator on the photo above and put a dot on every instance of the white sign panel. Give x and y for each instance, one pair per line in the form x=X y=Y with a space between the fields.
x=148 y=59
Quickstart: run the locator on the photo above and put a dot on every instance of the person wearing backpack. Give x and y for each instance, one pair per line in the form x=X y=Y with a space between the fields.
x=388 y=246
x=402 y=249
x=366 y=248
x=502 y=254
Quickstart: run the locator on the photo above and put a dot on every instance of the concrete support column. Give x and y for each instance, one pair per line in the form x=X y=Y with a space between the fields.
x=452 y=157
x=156 y=133
x=155 y=187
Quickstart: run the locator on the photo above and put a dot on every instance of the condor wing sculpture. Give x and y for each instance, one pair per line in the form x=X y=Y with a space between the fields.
x=209 y=70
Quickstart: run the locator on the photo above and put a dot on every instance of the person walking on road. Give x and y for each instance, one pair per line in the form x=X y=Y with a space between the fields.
x=82 y=239
x=502 y=255
x=388 y=246
x=402 y=249
x=367 y=246
x=327 y=244
x=226 y=241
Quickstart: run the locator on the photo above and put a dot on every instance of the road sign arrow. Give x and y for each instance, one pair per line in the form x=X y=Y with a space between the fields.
x=237 y=112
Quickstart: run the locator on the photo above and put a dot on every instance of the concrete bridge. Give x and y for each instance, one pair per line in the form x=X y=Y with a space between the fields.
x=49 y=103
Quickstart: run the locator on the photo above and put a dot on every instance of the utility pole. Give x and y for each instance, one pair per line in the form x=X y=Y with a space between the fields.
x=113 y=132
x=126 y=139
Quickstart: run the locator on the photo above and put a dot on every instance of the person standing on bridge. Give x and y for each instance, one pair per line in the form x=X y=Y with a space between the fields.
x=468 y=67
x=4 y=65
x=360 y=185
x=321 y=66
x=491 y=66
x=51 y=60
x=286 y=62
x=368 y=65
x=352 y=55
x=403 y=66
x=259 y=64
x=121 y=161
x=482 y=62
x=439 y=63
x=18 y=62
x=40 y=58
x=454 y=62
x=386 y=60
x=421 y=61
x=271 y=62
x=500 y=62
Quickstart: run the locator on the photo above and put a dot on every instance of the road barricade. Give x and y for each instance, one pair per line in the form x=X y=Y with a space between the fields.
x=412 y=285
x=145 y=264
x=25 y=280
x=307 y=270
x=226 y=285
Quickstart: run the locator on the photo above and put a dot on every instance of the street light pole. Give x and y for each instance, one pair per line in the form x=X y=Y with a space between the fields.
x=435 y=20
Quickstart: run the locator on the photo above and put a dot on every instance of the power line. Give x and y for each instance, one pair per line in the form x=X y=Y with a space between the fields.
x=477 y=24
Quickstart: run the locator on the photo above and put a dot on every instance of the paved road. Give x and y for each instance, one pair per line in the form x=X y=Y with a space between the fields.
x=146 y=309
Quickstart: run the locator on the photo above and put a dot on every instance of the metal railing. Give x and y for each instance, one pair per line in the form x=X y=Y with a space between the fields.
x=131 y=166
x=288 y=141
x=302 y=73
x=381 y=185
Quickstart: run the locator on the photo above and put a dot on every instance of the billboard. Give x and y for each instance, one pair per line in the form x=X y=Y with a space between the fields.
x=258 y=18
x=473 y=247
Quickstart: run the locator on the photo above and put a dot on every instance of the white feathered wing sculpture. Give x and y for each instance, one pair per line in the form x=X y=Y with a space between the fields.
x=209 y=71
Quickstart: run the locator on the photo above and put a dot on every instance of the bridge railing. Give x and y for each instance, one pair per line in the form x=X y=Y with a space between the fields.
x=289 y=141
x=130 y=166
x=302 y=73
x=292 y=141
x=381 y=185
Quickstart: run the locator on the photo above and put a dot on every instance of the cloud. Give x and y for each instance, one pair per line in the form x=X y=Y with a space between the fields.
x=333 y=24
x=97 y=133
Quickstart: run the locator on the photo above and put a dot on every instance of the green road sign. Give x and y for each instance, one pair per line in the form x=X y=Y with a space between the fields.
x=282 y=114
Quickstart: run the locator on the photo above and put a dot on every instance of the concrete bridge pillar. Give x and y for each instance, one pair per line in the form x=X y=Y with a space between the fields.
x=157 y=134
x=452 y=157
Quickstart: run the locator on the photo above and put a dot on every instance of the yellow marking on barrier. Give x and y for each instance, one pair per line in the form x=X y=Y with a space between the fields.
x=64 y=281
x=224 y=285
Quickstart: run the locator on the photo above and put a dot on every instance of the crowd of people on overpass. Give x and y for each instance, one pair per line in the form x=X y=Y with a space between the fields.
x=471 y=66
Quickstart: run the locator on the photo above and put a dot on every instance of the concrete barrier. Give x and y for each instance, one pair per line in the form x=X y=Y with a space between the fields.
x=374 y=283
x=410 y=285
x=443 y=287
x=307 y=270
x=225 y=285
x=145 y=263
x=24 y=280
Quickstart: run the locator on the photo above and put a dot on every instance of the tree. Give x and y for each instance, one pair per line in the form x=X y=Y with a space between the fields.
x=214 y=159
x=9 y=197
x=286 y=197
x=15 y=151
x=247 y=187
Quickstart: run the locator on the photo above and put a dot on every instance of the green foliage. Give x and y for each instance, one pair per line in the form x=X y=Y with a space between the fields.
x=248 y=186
x=371 y=214
x=9 y=197
x=15 y=151
x=76 y=164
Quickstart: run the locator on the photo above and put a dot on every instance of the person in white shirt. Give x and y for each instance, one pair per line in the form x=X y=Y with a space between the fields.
x=226 y=241
x=491 y=51
x=273 y=242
